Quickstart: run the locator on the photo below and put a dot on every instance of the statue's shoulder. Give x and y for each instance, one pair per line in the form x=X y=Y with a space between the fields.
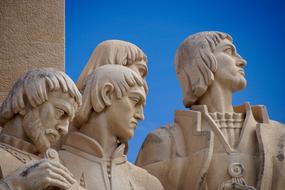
x=143 y=178
x=10 y=160
x=159 y=145
x=273 y=127
x=12 y=155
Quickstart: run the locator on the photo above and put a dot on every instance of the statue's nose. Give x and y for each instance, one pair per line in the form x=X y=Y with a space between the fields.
x=240 y=61
x=62 y=129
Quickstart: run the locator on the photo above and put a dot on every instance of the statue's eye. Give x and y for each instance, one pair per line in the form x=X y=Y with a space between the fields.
x=59 y=113
x=136 y=100
x=142 y=72
x=229 y=51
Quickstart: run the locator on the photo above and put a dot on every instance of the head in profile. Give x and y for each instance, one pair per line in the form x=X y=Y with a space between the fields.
x=113 y=103
x=39 y=107
x=208 y=59
x=114 y=52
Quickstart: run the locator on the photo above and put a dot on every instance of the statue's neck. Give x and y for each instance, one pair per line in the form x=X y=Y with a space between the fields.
x=217 y=98
x=97 y=128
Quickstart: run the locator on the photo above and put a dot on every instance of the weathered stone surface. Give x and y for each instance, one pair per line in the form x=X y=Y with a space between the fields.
x=31 y=36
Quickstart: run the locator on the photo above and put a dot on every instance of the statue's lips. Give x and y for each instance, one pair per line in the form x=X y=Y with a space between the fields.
x=241 y=71
x=52 y=136
x=133 y=124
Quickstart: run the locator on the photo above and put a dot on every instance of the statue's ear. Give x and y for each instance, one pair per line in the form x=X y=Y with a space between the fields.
x=106 y=93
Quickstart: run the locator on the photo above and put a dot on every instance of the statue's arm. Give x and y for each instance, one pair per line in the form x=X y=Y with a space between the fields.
x=154 y=184
x=38 y=174
x=157 y=147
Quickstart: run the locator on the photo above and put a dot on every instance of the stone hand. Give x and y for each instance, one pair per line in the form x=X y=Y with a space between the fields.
x=39 y=175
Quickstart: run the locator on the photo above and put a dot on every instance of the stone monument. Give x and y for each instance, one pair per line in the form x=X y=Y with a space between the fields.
x=111 y=52
x=113 y=101
x=31 y=36
x=214 y=145
x=34 y=115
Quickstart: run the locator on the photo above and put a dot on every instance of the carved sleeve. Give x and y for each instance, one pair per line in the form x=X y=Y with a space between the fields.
x=156 y=147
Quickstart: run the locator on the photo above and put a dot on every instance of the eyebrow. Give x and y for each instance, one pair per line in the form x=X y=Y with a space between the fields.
x=229 y=45
x=138 y=94
x=65 y=108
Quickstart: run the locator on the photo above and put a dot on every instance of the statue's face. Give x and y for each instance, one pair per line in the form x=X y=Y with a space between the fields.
x=45 y=124
x=230 y=71
x=123 y=114
x=139 y=67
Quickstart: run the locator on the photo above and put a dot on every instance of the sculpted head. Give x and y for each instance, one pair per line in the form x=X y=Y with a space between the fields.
x=114 y=52
x=117 y=94
x=43 y=102
x=206 y=57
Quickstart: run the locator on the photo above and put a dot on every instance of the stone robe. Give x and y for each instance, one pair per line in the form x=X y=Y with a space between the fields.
x=85 y=158
x=15 y=152
x=193 y=153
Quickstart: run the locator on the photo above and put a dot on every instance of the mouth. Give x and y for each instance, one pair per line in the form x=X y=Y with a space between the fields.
x=52 y=136
x=133 y=124
x=241 y=71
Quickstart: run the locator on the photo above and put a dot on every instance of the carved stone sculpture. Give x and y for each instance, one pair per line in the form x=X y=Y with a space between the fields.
x=113 y=102
x=213 y=145
x=111 y=52
x=115 y=52
x=35 y=114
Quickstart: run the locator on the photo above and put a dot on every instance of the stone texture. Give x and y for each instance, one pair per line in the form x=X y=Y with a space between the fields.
x=31 y=36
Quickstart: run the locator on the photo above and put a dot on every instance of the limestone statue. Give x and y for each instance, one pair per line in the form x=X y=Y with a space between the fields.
x=111 y=52
x=115 y=52
x=34 y=115
x=214 y=145
x=113 y=102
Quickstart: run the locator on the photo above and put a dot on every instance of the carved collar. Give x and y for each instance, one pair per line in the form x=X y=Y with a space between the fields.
x=248 y=126
x=238 y=109
x=18 y=143
x=259 y=112
x=85 y=144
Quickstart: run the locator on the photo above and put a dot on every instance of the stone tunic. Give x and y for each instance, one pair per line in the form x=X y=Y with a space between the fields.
x=85 y=158
x=194 y=154
x=15 y=152
x=233 y=162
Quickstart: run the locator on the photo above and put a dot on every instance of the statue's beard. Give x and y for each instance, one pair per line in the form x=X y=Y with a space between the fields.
x=41 y=137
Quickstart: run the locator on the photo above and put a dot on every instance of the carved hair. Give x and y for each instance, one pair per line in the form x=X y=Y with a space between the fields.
x=32 y=89
x=118 y=77
x=112 y=52
x=195 y=64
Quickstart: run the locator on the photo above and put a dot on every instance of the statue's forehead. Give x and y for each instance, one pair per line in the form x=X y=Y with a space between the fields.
x=63 y=100
x=138 y=91
x=226 y=42
x=139 y=67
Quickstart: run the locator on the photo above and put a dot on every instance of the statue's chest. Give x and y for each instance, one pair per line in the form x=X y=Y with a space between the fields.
x=234 y=165
x=226 y=169
x=11 y=159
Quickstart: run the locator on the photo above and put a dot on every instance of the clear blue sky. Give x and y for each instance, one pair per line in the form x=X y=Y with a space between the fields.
x=158 y=27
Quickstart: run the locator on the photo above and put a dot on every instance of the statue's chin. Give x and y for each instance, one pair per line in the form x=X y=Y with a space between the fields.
x=42 y=144
x=240 y=85
x=40 y=140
